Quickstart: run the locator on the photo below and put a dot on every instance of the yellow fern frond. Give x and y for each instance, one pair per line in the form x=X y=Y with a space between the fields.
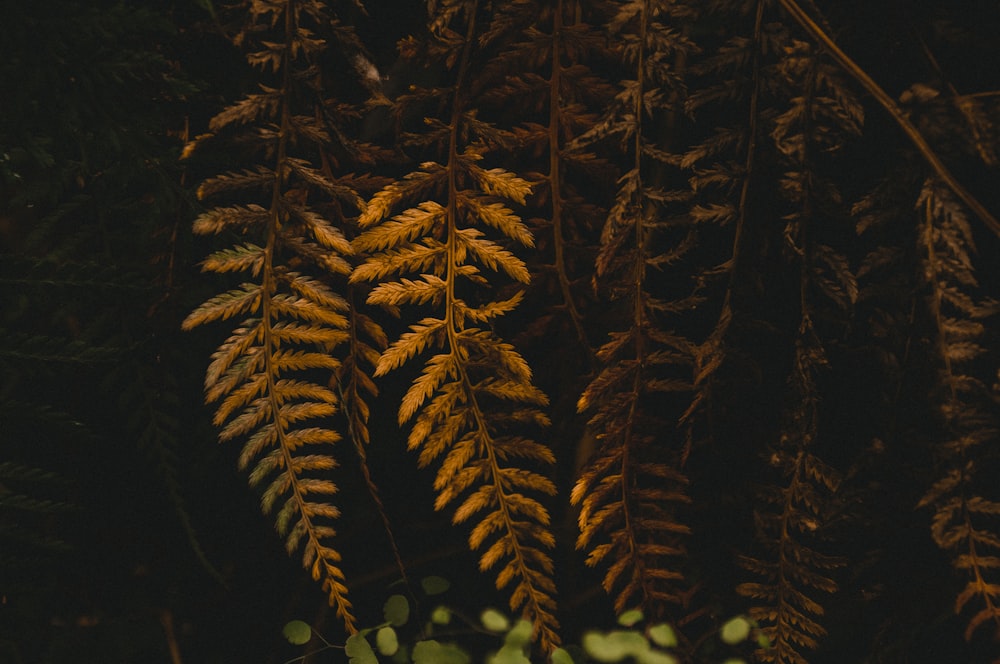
x=421 y=258
x=267 y=376
x=416 y=185
x=427 y=289
x=407 y=226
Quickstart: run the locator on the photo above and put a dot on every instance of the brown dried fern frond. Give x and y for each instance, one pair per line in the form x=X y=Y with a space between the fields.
x=790 y=519
x=819 y=117
x=633 y=493
x=966 y=521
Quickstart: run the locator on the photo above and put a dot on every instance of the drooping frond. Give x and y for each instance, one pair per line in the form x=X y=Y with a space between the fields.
x=966 y=521
x=291 y=318
x=632 y=491
x=791 y=513
x=733 y=80
x=795 y=508
x=24 y=507
x=548 y=86
x=433 y=240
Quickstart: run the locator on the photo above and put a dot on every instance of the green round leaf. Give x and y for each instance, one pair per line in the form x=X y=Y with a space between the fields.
x=614 y=646
x=434 y=585
x=654 y=657
x=396 y=610
x=297 y=632
x=762 y=640
x=630 y=617
x=441 y=615
x=735 y=660
x=520 y=634
x=596 y=645
x=736 y=630
x=402 y=655
x=359 y=650
x=509 y=654
x=630 y=642
x=494 y=621
x=663 y=635
x=432 y=652
x=386 y=641
x=560 y=656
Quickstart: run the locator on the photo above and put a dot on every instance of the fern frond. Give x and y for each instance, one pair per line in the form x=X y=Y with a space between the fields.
x=245 y=258
x=266 y=376
x=27 y=501
x=965 y=507
x=632 y=494
x=473 y=404
x=414 y=258
x=240 y=218
x=244 y=300
x=794 y=511
x=789 y=523
x=544 y=83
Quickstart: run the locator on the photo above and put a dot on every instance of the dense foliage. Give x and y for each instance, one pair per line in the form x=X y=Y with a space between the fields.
x=680 y=306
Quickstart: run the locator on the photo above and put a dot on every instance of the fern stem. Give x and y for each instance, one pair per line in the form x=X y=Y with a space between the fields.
x=638 y=309
x=555 y=183
x=549 y=640
x=268 y=288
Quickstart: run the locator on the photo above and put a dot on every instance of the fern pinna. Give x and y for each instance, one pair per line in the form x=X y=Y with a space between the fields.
x=268 y=374
x=474 y=403
x=631 y=493
x=965 y=501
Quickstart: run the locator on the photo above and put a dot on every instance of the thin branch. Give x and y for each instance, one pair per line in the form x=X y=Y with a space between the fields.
x=898 y=115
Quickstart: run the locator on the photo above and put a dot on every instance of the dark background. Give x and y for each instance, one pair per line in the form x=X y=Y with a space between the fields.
x=142 y=527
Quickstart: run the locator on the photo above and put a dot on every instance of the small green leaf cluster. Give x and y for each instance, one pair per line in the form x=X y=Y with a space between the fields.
x=652 y=645
x=630 y=642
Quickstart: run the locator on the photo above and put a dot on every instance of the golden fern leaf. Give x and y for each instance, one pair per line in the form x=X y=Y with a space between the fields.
x=260 y=178
x=265 y=377
x=473 y=404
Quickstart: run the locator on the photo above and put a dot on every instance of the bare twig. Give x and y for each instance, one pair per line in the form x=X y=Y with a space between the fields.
x=898 y=115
